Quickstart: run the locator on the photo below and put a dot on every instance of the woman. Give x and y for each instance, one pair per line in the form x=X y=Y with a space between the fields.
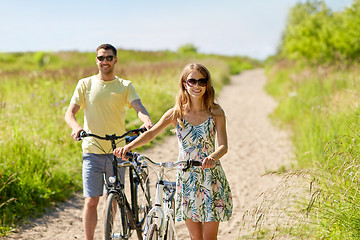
x=203 y=196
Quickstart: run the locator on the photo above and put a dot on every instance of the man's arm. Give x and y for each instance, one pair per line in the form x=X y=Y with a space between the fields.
x=71 y=120
x=142 y=113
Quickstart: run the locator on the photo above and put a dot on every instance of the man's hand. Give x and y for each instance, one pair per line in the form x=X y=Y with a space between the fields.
x=147 y=125
x=75 y=133
x=142 y=113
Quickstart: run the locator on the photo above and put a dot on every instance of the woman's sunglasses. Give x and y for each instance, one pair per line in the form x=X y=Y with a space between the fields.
x=192 y=82
x=102 y=58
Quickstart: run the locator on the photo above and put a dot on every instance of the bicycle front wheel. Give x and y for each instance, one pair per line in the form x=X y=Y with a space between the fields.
x=152 y=233
x=141 y=199
x=115 y=219
x=170 y=224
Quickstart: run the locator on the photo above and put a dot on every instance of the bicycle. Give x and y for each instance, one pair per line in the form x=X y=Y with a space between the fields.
x=160 y=222
x=120 y=216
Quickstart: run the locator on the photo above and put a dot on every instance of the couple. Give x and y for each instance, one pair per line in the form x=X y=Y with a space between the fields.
x=201 y=203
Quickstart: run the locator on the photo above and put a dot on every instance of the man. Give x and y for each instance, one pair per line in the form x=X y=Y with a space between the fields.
x=104 y=98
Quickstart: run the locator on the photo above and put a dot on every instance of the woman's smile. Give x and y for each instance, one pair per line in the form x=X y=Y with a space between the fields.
x=195 y=90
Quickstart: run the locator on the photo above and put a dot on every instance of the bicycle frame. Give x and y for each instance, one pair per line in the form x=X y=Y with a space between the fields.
x=160 y=218
x=162 y=211
x=117 y=187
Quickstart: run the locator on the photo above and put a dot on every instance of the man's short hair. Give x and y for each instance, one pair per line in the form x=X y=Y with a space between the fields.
x=107 y=47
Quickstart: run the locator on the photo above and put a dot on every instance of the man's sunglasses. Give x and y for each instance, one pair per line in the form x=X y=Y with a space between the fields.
x=102 y=58
x=192 y=82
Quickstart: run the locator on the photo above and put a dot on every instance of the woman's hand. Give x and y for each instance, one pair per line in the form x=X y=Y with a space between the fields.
x=208 y=162
x=120 y=152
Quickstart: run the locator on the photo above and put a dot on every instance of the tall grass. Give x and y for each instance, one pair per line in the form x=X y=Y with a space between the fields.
x=40 y=164
x=320 y=105
x=319 y=102
x=337 y=206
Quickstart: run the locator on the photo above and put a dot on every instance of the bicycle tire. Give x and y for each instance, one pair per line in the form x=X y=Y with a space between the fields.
x=169 y=231
x=115 y=218
x=152 y=233
x=142 y=199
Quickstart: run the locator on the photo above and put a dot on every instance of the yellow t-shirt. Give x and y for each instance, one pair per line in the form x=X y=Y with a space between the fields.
x=104 y=104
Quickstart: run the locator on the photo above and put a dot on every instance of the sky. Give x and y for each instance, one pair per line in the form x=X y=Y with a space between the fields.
x=229 y=27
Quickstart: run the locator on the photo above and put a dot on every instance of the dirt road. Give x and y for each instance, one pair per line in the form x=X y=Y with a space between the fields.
x=255 y=147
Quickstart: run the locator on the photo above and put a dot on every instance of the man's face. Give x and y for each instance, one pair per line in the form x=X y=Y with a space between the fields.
x=105 y=60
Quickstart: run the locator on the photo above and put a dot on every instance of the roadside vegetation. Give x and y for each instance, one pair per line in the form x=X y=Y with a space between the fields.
x=40 y=164
x=315 y=79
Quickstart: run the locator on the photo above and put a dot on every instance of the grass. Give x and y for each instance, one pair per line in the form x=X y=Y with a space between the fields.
x=320 y=106
x=40 y=164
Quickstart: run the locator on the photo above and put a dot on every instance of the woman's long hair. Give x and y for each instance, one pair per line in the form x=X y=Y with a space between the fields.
x=183 y=102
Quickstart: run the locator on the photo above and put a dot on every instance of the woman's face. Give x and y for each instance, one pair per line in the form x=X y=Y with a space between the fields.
x=195 y=84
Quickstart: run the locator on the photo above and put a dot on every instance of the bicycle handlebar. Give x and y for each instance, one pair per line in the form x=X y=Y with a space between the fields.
x=189 y=163
x=84 y=134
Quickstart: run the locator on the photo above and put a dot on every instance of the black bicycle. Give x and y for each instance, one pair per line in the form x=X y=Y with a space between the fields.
x=121 y=217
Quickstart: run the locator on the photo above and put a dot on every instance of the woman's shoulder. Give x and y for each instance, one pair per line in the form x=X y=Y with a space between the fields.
x=218 y=111
x=218 y=115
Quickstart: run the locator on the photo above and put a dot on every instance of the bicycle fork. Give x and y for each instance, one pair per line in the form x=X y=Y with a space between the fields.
x=156 y=214
x=161 y=210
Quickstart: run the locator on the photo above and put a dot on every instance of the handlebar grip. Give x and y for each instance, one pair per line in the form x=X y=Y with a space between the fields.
x=191 y=163
x=129 y=155
x=195 y=163
x=82 y=135
x=132 y=155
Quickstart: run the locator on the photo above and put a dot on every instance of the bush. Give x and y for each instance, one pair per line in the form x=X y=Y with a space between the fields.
x=187 y=49
x=316 y=34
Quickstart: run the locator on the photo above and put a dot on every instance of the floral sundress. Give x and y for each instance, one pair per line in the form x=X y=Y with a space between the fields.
x=202 y=195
